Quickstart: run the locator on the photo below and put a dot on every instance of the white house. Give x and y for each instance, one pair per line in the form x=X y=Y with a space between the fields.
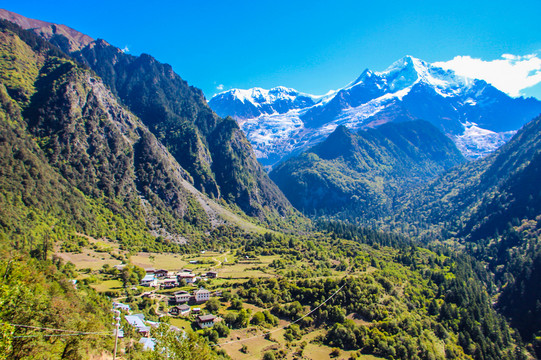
x=121 y=306
x=149 y=280
x=201 y=295
x=186 y=276
x=205 y=321
x=181 y=310
x=137 y=321
x=148 y=343
x=182 y=297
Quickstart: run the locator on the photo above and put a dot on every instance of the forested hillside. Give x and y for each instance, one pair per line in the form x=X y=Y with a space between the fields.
x=357 y=176
x=492 y=207
x=76 y=160
x=178 y=115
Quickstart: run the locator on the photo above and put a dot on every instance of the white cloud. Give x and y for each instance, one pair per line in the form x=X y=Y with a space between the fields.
x=511 y=74
x=126 y=49
x=220 y=87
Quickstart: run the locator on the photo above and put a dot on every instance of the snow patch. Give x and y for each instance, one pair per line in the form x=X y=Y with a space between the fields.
x=477 y=142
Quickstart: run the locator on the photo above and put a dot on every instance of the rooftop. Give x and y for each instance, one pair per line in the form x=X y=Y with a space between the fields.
x=204 y=318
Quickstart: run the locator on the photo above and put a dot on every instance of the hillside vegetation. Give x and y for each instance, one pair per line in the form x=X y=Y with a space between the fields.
x=86 y=171
x=358 y=176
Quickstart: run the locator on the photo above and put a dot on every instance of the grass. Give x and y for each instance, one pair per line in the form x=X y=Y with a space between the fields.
x=107 y=285
x=256 y=346
x=159 y=261
x=89 y=258
x=181 y=323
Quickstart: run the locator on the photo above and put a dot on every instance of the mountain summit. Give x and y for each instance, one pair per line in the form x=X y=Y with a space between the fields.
x=247 y=104
x=64 y=37
x=475 y=115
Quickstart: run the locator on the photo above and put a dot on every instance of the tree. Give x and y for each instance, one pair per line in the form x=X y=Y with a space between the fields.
x=242 y=319
x=213 y=304
x=236 y=304
x=178 y=345
x=258 y=318
x=230 y=318
x=221 y=328
x=293 y=332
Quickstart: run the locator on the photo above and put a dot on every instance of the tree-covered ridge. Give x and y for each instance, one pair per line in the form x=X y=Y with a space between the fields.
x=491 y=206
x=465 y=191
x=358 y=176
x=74 y=160
x=178 y=115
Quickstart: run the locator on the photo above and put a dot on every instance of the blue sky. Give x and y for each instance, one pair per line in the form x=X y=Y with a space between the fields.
x=312 y=46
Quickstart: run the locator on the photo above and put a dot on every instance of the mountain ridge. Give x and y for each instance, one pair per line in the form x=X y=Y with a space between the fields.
x=178 y=115
x=477 y=116
x=74 y=159
x=66 y=38
x=358 y=175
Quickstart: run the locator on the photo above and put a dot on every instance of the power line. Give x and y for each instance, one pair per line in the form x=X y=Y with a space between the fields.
x=283 y=327
x=72 y=332
x=51 y=335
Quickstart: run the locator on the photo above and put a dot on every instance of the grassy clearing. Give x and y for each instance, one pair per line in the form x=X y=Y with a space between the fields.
x=256 y=346
x=181 y=323
x=159 y=261
x=107 y=285
x=89 y=259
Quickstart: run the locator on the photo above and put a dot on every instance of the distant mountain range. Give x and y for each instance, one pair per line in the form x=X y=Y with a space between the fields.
x=281 y=122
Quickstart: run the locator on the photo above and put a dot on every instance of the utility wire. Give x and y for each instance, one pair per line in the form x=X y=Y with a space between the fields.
x=51 y=335
x=283 y=327
x=72 y=332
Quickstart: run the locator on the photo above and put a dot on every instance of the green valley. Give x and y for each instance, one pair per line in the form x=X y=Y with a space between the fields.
x=120 y=188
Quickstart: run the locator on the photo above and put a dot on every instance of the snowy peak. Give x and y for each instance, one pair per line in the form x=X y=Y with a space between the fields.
x=365 y=76
x=403 y=73
x=244 y=104
x=281 y=122
x=410 y=71
x=259 y=96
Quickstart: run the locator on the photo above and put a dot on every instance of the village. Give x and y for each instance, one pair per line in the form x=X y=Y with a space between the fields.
x=184 y=303
x=199 y=293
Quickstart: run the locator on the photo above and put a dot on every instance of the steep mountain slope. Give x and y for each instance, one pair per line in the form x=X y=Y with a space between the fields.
x=492 y=207
x=467 y=192
x=477 y=116
x=357 y=176
x=178 y=115
x=74 y=160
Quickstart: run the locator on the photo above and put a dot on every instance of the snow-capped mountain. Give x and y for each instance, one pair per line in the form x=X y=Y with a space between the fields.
x=477 y=116
x=248 y=104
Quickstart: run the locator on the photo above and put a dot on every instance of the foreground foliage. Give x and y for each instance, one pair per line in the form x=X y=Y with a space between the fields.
x=36 y=295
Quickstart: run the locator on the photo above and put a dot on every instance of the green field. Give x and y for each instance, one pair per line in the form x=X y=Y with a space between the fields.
x=107 y=285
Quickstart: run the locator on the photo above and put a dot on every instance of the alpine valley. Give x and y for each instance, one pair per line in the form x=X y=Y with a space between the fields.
x=401 y=218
